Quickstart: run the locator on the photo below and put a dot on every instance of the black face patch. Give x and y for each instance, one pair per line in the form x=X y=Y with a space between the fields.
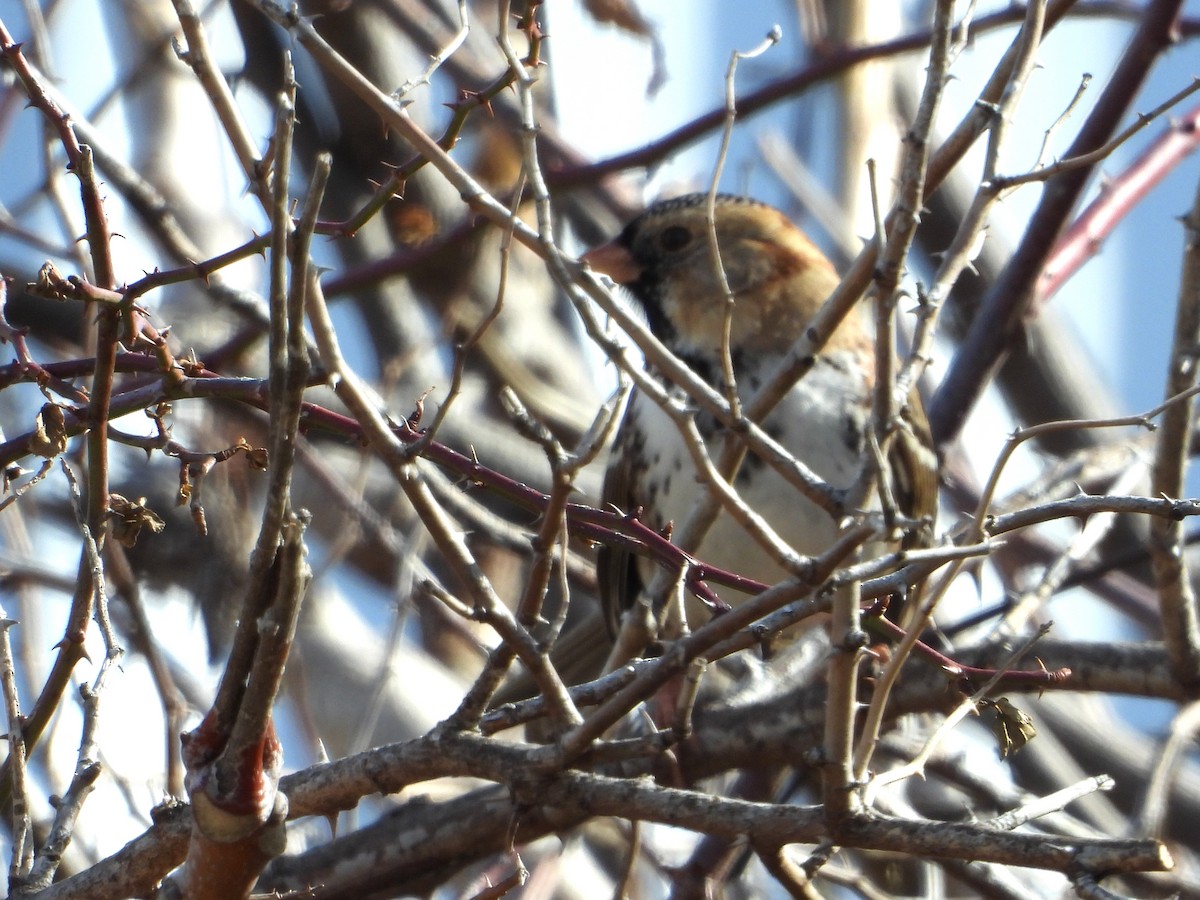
x=655 y=250
x=646 y=290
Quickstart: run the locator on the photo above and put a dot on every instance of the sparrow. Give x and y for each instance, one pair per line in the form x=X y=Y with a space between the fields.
x=779 y=280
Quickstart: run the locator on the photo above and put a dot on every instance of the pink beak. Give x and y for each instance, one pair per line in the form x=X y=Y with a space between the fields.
x=615 y=261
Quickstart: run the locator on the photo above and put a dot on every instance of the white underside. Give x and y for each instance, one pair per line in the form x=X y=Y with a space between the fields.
x=811 y=422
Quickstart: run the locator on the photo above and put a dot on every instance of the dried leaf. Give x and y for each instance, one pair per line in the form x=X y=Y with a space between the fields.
x=130 y=517
x=1013 y=727
x=50 y=283
x=49 y=432
x=258 y=457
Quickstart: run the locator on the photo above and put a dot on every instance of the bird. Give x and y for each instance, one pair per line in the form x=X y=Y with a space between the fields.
x=779 y=280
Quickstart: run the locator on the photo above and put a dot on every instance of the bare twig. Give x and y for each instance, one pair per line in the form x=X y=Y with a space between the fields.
x=198 y=56
x=1100 y=153
x=730 y=383
x=440 y=57
x=1154 y=806
x=1009 y=298
x=1176 y=597
x=1117 y=196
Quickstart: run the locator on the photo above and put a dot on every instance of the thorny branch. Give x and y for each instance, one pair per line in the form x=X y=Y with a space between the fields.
x=591 y=769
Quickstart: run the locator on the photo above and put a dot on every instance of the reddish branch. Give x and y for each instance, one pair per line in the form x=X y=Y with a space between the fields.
x=1009 y=300
x=1117 y=197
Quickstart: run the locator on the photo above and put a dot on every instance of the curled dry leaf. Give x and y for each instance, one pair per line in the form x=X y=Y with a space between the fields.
x=130 y=517
x=51 y=283
x=49 y=432
x=259 y=458
x=1012 y=726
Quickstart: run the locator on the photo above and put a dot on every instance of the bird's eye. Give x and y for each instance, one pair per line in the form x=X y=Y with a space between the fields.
x=674 y=238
